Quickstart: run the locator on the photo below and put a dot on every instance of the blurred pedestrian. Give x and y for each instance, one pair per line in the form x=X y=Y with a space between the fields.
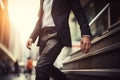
x=29 y=68
x=29 y=65
x=16 y=68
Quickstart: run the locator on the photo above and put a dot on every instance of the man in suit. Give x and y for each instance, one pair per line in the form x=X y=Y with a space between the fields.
x=52 y=28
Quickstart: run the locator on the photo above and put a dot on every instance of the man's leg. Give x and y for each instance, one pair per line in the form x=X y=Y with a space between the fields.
x=56 y=74
x=47 y=58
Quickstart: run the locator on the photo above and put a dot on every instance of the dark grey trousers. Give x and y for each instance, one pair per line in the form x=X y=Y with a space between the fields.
x=50 y=48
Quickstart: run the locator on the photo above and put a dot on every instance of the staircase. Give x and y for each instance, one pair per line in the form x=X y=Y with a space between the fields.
x=102 y=62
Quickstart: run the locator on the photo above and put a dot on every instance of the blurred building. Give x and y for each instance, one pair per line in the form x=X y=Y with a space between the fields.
x=10 y=45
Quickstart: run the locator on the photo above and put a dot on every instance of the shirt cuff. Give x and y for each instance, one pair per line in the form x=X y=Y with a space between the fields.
x=86 y=35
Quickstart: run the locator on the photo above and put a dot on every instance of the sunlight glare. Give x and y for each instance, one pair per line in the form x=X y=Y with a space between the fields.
x=23 y=15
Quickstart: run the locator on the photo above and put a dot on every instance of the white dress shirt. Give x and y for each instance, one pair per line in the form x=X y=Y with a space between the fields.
x=47 y=17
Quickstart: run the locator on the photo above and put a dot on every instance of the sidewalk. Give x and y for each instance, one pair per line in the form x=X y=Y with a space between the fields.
x=13 y=77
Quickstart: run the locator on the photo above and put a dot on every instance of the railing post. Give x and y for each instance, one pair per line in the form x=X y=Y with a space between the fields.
x=109 y=17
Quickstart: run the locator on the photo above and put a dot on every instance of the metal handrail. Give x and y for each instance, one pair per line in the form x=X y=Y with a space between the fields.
x=98 y=15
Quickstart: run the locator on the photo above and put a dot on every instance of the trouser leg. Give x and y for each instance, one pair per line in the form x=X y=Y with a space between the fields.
x=56 y=74
x=47 y=58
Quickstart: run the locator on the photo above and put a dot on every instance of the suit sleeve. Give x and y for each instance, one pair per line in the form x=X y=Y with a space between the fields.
x=80 y=16
x=36 y=30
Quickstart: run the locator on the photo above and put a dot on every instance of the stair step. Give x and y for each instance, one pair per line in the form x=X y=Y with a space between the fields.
x=93 y=74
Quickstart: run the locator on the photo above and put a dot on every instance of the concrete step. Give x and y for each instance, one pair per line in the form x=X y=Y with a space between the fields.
x=93 y=74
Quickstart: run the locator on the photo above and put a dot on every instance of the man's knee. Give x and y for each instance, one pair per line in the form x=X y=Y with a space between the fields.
x=43 y=70
x=43 y=67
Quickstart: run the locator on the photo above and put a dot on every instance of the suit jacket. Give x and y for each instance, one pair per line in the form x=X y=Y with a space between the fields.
x=60 y=13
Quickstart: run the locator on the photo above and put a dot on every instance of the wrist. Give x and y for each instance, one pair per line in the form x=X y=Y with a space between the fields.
x=30 y=39
x=86 y=36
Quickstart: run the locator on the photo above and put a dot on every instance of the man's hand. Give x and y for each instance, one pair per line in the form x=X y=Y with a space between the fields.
x=29 y=43
x=85 y=44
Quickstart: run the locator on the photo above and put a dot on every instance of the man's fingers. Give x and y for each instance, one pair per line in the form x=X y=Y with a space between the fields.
x=28 y=44
x=29 y=47
x=81 y=45
x=89 y=46
x=85 y=46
